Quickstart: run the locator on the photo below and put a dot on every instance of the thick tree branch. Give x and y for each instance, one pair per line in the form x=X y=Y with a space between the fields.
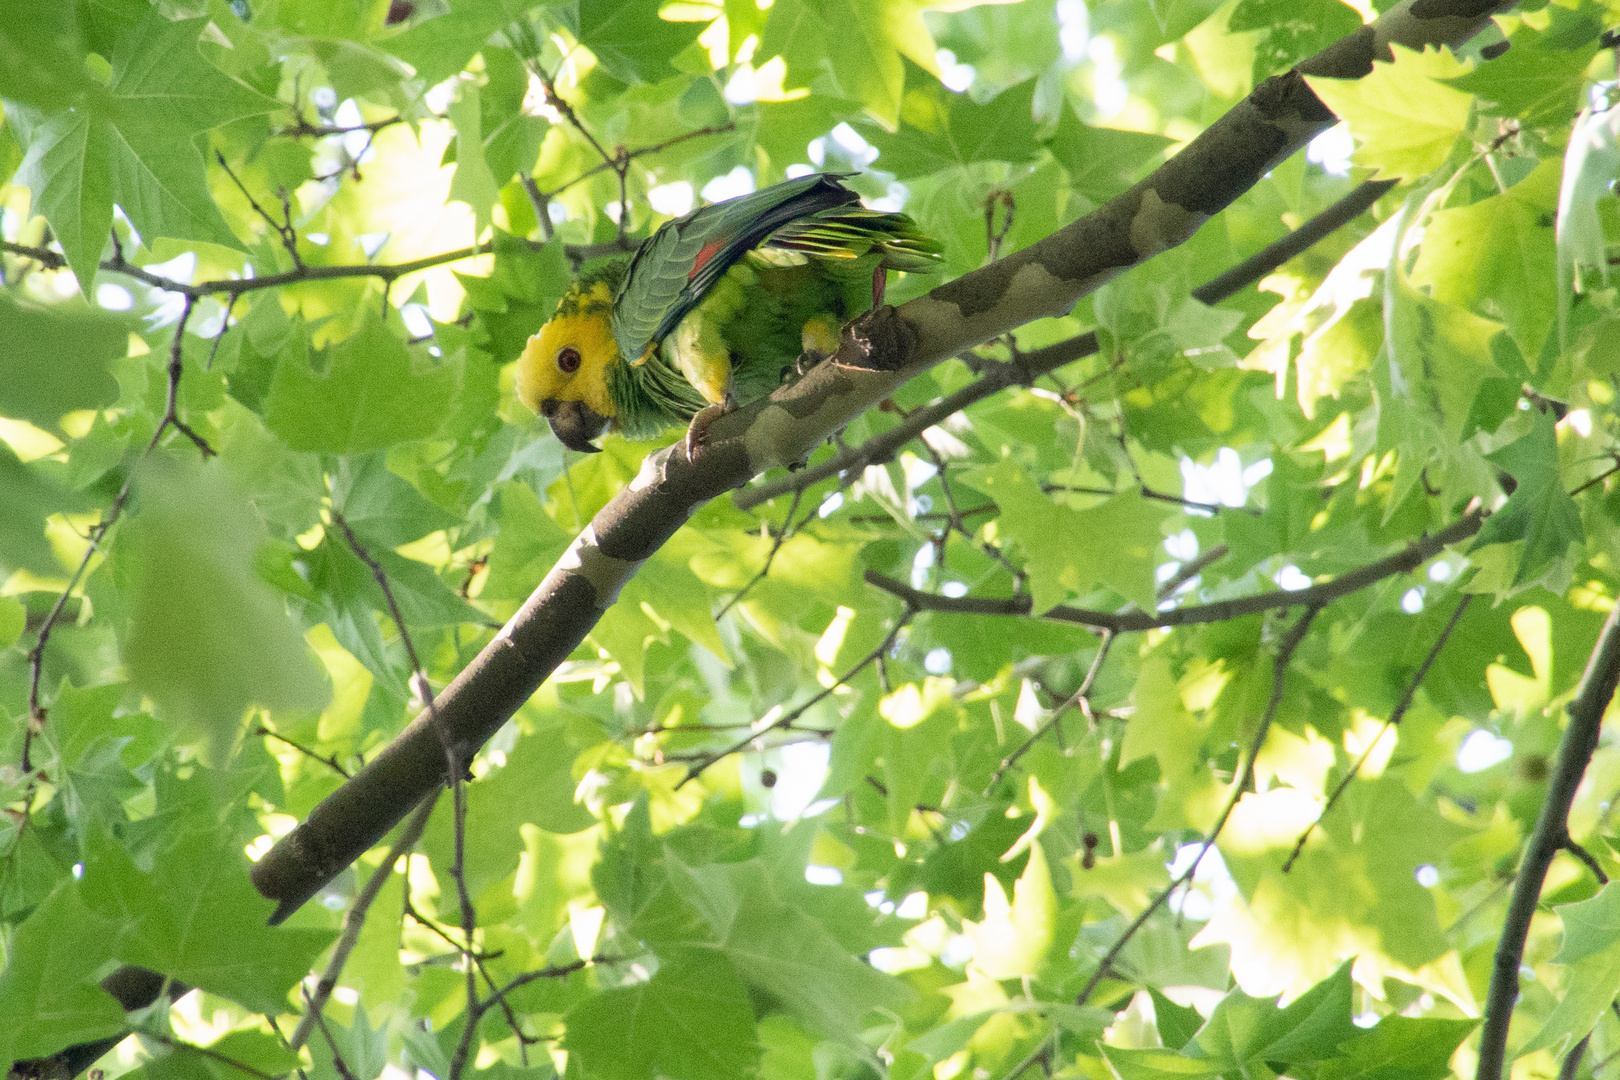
x=1552 y=830
x=879 y=353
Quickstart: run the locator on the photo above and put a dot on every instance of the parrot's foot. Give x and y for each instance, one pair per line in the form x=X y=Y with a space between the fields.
x=880 y=340
x=699 y=429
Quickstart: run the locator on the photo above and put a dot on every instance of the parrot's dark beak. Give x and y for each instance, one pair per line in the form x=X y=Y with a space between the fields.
x=574 y=423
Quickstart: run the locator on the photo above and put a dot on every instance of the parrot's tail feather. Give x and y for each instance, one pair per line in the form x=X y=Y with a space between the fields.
x=850 y=232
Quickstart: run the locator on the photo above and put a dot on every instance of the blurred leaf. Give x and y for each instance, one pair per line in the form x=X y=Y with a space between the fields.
x=206 y=637
x=55 y=359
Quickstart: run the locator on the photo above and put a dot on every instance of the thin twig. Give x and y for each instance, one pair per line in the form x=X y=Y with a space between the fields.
x=1395 y=717
x=207 y=1052
x=1587 y=858
x=1552 y=827
x=329 y=760
x=455 y=767
x=98 y=534
x=284 y=228
x=1240 y=783
x=1079 y=697
x=301 y=128
x=787 y=718
x=1158 y=496
x=355 y=918
x=1409 y=558
x=1190 y=570
x=1572 y=1060
x=782 y=535
x=338 y=1064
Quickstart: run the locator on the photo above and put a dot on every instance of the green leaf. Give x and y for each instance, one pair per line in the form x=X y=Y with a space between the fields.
x=690 y=1021
x=440 y=46
x=42 y=57
x=1013 y=938
x=206 y=637
x=1101 y=162
x=1157 y=1064
x=196 y=917
x=1539 y=511
x=866 y=66
x=473 y=183
x=370 y=391
x=1404 y=114
x=1537 y=81
x=1065 y=548
x=629 y=39
x=1591 y=983
x=32 y=492
x=1400 y=1048
x=939 y=129
x=1590 y=926
x=1243 y=1030
x=1501 y=252
x=363 y=1048
x=13 y=621
x=381 y=506
x=48 y=992
x=136 y=146
x=1177 y=1024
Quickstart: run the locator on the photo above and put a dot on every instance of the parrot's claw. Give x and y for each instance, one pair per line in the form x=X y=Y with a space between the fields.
x=807 y=360
x=699 y=429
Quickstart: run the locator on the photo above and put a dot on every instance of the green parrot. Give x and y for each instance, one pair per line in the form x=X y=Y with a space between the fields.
x=712 y=309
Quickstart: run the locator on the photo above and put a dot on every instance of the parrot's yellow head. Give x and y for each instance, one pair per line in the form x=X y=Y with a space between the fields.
x=563 y=371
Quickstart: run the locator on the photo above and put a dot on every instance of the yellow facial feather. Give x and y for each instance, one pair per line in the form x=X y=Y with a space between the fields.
x=583 y=323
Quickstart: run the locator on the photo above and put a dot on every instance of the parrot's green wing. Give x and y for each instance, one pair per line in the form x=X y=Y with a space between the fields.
x=814 y=214
x=671 y=271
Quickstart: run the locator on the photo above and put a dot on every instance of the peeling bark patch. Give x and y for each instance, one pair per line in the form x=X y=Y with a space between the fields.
x=1159 y=225
x=880 y=340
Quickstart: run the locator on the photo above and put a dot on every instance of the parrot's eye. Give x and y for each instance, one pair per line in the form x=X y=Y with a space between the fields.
x=568 y=360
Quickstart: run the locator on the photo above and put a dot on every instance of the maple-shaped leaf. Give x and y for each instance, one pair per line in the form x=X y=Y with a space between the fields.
x=1070 y=550
x=939 y=129
x=1403 y=115
x=628 y=37
x=136 y=145
x=1499 y=251
x=1539 y=512
x=871 y=36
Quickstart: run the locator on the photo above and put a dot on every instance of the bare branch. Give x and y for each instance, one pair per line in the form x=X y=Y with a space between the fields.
x=1552 y=829
x=1414 y=555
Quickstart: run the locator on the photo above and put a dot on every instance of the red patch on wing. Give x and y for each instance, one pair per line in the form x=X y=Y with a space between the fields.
x=705 y=253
